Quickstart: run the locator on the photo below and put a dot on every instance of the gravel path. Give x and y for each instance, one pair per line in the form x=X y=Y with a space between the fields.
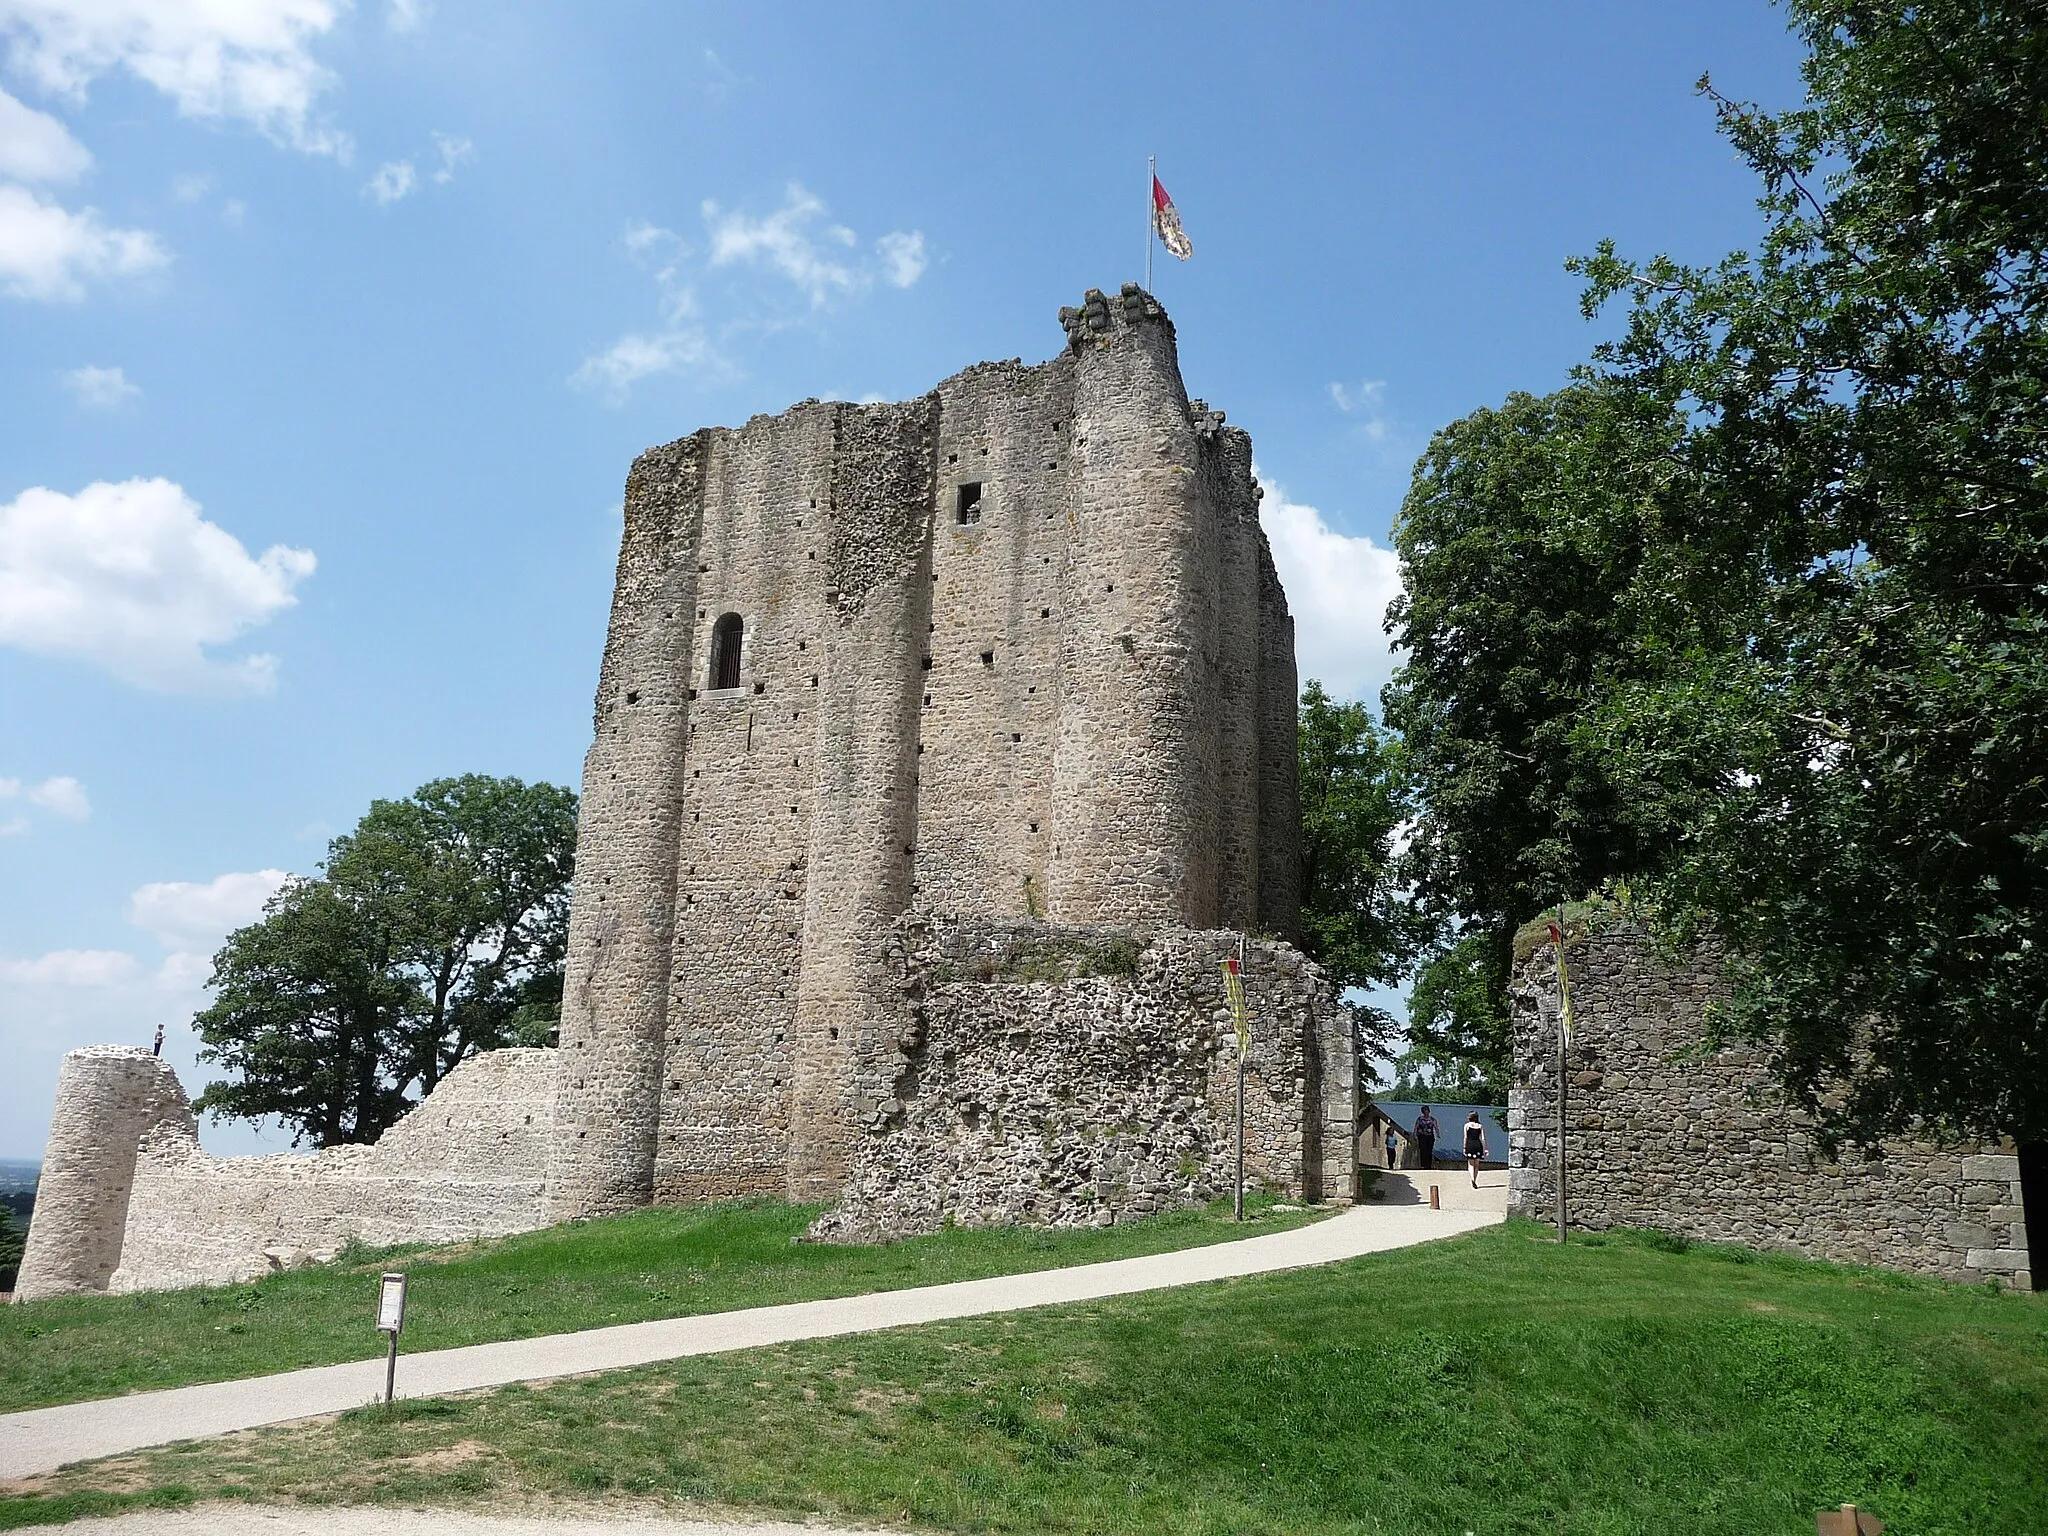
x=43 y=1439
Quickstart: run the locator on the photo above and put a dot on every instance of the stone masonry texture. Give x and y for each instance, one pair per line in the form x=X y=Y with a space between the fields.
x=1074 y=1076
x=1013 y=650
x=1663 y=1130
x=469 y=1161
x=1015 y=675
x=108 y=1098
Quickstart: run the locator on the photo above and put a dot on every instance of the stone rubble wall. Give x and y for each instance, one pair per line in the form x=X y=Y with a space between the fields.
x=469 y=1161
x=1662 y=1131
x=1065 y=1076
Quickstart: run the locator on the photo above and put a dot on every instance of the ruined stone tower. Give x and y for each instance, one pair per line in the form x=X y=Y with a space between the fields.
x=1013 y=649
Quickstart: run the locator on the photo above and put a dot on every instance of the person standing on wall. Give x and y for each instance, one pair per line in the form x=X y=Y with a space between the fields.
x=1475 y=1145
x=1425 y=1139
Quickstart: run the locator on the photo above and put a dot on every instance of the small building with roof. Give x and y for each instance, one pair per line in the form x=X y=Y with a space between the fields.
x=1397 y=1115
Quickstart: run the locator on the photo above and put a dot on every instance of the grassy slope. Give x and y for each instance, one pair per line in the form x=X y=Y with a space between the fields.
x=1491 y=1384
x=662 y=1262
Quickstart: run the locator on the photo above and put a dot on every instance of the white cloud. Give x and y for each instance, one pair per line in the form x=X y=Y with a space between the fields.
x=453 y=152
x=244 y=59
x=192 y=918
x=407 y=15
x=191 y=187
x=787 y=240
x=798 y=241
x=70 y=968
x=192 y=915
x=633 y=358
x=48 y=252
x=130 y=577
x=100 y=388
x=1364 y=401
x=394 y=179
x=63 y=794
x=903 y=258
x=34 y=146
x=1338 y=587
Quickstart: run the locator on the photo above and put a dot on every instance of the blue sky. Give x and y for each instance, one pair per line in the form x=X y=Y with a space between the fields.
x=327 y=334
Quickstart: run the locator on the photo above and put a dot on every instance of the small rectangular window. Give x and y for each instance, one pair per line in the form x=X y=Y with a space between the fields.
x=967 y=509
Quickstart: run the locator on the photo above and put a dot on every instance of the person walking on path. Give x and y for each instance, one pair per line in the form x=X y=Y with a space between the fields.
x=1393 y=1146
x=1425 y=1139
x=1475 y=1144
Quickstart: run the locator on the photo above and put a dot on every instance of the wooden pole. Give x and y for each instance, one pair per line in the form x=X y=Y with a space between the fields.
x=1238 y=1202
x=1563 y=1082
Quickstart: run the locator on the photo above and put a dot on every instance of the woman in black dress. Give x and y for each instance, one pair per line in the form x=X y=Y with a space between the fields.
x=1475 y=1145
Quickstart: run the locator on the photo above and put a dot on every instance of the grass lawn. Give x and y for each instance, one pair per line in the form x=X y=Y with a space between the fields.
x=1491 y=1384
x=660 y=1262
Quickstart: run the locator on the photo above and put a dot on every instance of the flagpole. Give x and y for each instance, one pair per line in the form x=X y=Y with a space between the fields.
x=1151 y=176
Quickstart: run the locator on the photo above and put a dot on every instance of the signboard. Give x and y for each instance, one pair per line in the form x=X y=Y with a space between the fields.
x=391 y=1305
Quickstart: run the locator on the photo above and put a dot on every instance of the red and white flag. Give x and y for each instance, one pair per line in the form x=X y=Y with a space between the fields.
x=1166 y=221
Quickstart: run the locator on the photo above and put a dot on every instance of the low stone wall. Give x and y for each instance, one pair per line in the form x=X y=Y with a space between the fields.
x=469 y=1161
x=1662 y=1132
x=1072 y=1076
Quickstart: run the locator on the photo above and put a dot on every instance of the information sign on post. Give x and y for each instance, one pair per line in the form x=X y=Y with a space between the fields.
x=391 y=1322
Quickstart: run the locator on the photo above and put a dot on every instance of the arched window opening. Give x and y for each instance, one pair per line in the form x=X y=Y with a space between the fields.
x=725 y=651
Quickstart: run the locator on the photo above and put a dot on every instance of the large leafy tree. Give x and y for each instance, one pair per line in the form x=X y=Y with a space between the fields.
x=472 y=875
x=1356 y=920
x=1840 y=700
x=309 y=1016
x=436 y=930
x=1520 y=544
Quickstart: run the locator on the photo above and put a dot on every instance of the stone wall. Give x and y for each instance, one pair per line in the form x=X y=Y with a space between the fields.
x=468 y=1161
x=108 y=1098
x=1067 y=1076
x=1662 y=1131
x=1013 y=649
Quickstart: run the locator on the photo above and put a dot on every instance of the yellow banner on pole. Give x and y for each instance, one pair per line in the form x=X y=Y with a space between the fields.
x=1564 y=984
x=1240 y=1016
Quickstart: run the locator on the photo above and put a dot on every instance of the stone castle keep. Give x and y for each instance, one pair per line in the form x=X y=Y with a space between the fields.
x=1013 y=649
x=942 y=749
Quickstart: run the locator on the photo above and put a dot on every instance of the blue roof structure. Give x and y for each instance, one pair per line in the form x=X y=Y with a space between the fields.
x=1450 y=1119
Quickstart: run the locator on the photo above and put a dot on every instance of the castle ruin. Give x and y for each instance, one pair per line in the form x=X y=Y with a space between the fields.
x=943 y=749
x=1013 y=649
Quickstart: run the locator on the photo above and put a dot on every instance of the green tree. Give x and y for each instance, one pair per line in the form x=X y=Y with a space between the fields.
x=436 y=930
x=1521 y=541
x=1842 y=708
x=309 y=1015
x=473 y=875
x=1356 y=920
x=1460 y=1044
